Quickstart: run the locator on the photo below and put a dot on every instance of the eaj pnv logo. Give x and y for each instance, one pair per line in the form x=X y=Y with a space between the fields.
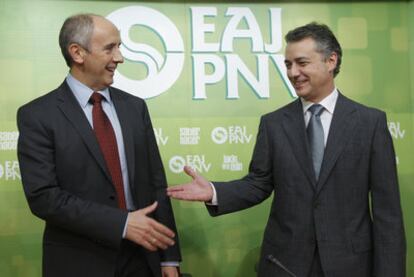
x=163 y=71
x=212 y=61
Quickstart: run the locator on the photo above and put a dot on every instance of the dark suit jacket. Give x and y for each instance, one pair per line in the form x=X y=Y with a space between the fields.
x=68 y=185
x=352 y=213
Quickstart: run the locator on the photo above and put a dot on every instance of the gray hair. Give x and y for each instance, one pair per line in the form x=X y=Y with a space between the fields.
x=326 y=42
x=76 y=29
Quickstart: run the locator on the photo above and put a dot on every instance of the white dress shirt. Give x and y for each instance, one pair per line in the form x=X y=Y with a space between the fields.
x=328 y=103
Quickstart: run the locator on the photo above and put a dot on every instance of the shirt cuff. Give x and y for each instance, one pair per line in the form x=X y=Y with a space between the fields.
x=213 y=201
x=174 y=264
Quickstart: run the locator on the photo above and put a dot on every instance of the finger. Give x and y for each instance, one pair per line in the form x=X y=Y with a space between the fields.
x=162 y=229
x=180 y=195
x=185 y=195
x=147 y=245
x=176 y=188
x=158 y=243
x=191 y=172
x=153 y=241
x=175 y=194
x=149 y=209
x=182 y=187
x=158 y=239
x=161 y=239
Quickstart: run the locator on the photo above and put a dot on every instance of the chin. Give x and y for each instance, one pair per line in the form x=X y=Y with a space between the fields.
x=302 y=93
x=109 y=82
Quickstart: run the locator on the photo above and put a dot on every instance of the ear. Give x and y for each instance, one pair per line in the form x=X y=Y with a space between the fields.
x=77 y=53
x=331 y=61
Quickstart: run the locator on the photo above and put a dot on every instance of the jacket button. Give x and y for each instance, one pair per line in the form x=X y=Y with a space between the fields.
x=112 y=197
x=316 y=204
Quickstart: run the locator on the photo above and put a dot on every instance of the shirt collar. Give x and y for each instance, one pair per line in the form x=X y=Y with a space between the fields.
x=328 y=102
x=82 y=92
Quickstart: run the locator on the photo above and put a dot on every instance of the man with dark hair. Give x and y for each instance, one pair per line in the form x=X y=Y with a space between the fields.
x=325 y=40
x=91 y=168
x=331 y=164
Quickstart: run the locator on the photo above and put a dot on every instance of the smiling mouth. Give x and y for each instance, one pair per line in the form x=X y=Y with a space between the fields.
x=111 y=69
x=299 y=84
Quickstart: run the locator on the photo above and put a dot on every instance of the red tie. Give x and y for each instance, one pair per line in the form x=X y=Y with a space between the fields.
x=107 y=141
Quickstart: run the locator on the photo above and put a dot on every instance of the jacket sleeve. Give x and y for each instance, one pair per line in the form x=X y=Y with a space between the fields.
x=252 y=189
x=164 y=212
x=388 y=228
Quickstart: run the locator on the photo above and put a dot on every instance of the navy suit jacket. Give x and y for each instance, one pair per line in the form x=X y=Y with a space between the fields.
x=67 y=184
x=352 y=214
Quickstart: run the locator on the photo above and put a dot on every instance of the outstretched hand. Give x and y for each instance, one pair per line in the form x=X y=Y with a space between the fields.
x=146 y=231
x=199 y=189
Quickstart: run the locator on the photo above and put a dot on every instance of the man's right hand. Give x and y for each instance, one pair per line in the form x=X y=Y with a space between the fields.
x=199 y=189
x=146 y=231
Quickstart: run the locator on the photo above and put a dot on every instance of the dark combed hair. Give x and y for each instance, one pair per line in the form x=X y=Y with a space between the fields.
x=326 y=42
x=76 y=29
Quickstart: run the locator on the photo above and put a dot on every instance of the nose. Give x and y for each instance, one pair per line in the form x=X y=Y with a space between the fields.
x=293 y=71
x=118 y=58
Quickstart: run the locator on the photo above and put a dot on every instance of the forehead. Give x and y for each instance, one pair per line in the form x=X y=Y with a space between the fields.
x=104 y=29
x=302 y=48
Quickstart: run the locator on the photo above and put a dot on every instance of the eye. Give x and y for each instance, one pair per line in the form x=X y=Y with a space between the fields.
x=110 y=48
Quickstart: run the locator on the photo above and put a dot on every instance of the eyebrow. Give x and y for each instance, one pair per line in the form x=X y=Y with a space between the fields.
x=111 y=45
x=298 y=59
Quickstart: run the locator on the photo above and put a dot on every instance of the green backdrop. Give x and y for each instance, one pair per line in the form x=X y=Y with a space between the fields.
x=237 y=71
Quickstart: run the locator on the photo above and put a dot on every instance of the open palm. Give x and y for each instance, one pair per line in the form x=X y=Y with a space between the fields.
x=199 y=189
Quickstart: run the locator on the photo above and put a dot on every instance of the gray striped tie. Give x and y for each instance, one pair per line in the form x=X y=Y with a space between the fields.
x=316 y=137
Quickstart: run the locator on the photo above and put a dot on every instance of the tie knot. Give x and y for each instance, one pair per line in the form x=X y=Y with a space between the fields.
x=96 y=98
x=316 y=109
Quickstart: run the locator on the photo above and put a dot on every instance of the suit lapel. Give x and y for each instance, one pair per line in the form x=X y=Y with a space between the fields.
x=294 y=126
x=341 y=130
x=70 y=107
x=124 y=117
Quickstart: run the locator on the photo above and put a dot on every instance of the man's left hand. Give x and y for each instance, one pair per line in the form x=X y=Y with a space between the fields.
x=169 y=271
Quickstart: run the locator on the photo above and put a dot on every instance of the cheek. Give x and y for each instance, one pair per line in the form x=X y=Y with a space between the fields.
x=316 y=72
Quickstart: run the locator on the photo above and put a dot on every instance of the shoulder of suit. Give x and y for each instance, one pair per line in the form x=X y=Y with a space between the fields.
x=280 y=111
x=363 y=109
x=126 y=95
x=42 y=102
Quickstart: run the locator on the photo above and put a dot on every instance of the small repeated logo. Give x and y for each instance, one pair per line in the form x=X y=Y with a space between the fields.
x=396 y=130
x=159 y=136
x=231 y=163
x=231 y=135
x=10 y=171
x=8 y=140
x=189 y=136
x=177 y=164
x=197 y=162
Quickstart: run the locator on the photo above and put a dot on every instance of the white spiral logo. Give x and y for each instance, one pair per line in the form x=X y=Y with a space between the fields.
x=177 y=164
x=219 y=135
x=162 y=71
